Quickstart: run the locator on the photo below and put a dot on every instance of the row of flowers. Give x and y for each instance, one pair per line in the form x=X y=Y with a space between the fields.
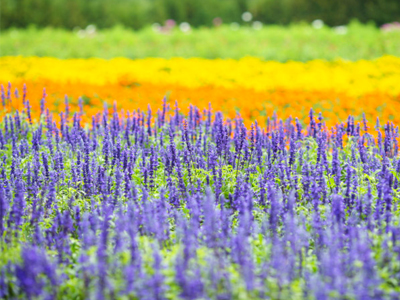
x=146 y=205
x=251 y=87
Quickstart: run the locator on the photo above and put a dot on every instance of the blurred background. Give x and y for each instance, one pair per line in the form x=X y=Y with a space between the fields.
x=140 y=13
x=279 y=30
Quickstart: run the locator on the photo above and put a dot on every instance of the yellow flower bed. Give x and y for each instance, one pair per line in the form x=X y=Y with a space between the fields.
x=251 y=86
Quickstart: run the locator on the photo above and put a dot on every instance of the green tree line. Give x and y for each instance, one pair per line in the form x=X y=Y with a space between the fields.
x=139 y=13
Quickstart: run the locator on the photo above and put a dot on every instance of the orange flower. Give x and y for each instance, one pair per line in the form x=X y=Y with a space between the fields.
x=249 y=86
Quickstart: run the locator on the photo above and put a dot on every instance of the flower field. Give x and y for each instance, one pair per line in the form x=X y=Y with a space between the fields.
x=199 y=179
x=252 y=87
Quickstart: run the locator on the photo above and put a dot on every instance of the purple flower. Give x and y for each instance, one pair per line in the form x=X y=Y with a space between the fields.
x=29 y=274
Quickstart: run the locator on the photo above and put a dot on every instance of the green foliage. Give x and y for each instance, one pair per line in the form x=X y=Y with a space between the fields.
x=139 y=13
x=299 y=42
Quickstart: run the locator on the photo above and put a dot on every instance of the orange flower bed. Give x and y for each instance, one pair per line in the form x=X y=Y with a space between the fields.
x=253 y=88
x=251 y=105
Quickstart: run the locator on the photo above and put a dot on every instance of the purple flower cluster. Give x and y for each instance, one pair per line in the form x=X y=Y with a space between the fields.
x=147 y=206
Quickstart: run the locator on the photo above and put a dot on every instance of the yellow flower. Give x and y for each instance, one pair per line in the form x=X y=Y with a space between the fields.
x=254 y=87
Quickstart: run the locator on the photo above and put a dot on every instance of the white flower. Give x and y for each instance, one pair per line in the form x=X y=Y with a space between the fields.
x=91 y=29
x=257 y=25
x=340 y=29
x=317 y=24
x=247 y=16
x=184 y=27
x=156 y=27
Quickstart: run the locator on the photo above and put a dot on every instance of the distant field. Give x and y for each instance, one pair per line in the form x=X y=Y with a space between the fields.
x=297 y=42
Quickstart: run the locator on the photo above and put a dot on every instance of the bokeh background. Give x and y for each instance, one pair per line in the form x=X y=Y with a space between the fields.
x=299 y=30
x=137 y=14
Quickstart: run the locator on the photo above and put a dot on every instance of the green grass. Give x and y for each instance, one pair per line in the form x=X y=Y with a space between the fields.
x=299 y=42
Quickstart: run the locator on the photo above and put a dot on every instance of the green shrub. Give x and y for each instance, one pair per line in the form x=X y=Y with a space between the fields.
x=139 y=13
x=299 y=42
